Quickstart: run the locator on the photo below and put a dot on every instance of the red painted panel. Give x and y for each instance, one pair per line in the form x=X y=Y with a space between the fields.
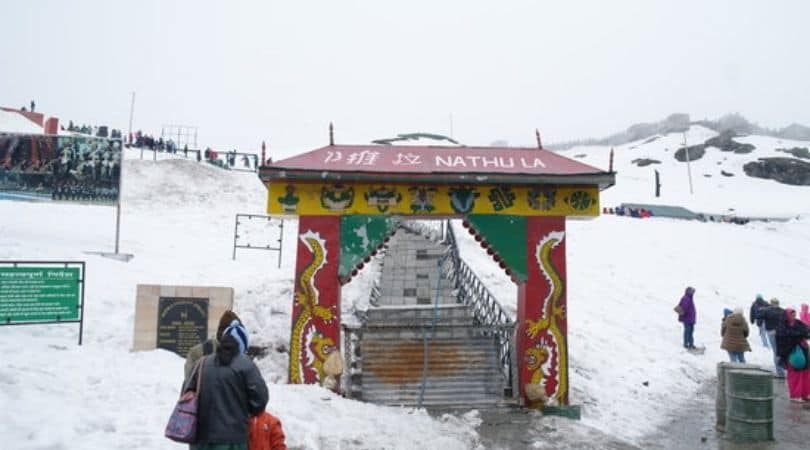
x=542 y=315
x=435 y=159
x=315 y=332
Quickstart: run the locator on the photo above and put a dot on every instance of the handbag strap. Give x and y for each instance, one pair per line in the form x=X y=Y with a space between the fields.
x=200 y=372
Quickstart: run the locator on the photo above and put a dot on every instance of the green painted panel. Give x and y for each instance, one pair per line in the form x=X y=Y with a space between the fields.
x=507 y=236
x=359 y=236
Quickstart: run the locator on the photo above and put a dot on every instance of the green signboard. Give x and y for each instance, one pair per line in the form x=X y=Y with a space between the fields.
x=39 y=294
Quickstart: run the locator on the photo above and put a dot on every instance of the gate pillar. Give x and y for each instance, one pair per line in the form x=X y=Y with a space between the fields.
x=542 y=348
x=315 y=332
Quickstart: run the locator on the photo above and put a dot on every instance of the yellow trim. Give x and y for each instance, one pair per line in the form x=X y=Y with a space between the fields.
x=298 y=198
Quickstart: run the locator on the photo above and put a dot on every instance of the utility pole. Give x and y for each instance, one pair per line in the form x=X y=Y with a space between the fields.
x=688 y=163
x=131 y=114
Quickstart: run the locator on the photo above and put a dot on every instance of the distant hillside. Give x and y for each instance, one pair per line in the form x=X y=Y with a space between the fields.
x=680 y=122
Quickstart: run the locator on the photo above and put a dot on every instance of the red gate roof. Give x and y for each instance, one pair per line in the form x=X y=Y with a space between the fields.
x=436 y=164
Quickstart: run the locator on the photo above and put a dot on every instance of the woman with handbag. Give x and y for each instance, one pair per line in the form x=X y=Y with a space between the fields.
x=792 y=348
x=231 y=391
x=688 y=316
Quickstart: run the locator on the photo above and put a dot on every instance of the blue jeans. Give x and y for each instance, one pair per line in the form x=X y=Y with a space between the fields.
x=688 y=332
x=763 y=334
x=780 y=371
x=737 y=357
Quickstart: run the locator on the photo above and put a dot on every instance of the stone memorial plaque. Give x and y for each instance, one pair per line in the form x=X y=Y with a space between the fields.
x=191 y=314
x=182 y=323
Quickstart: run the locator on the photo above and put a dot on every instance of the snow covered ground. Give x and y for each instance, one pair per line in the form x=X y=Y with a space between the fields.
x=625 y=275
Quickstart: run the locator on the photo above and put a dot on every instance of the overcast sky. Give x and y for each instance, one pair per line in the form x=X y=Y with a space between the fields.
x=280 y=71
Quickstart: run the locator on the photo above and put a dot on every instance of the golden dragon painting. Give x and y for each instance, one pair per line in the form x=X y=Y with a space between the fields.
x=306 y=297
x=548 y=354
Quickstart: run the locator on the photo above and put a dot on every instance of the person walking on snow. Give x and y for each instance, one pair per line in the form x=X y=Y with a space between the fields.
x=688 y=316
x=792 y=334
x=232 y=390
x=735 y=336
x=773 y=316
x=755 y=317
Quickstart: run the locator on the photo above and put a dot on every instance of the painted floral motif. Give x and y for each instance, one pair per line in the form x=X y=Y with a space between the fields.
x=422 y=199
x=542 y=199
x=462 y=199
x=383 y=198
x=289 y=202
x=501 y=197
x=337 y=198
x=580 y=200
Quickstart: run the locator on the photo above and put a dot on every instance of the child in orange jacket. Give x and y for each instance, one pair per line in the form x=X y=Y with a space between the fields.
x=265 y=433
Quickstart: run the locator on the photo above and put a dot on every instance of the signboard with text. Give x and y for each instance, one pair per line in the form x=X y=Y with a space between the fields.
x=42 y=292
x=182 y=323
x=39 y=294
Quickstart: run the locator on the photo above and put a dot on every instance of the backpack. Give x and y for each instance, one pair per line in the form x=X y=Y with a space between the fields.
x=265 y=433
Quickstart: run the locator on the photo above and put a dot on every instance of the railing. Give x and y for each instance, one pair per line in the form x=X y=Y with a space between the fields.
x=350 y=382
x=486 y=309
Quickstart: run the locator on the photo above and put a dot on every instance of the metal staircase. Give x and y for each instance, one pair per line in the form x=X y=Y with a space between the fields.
x=435 y=337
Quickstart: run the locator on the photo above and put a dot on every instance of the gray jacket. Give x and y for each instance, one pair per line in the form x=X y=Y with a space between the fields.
x=228 y=396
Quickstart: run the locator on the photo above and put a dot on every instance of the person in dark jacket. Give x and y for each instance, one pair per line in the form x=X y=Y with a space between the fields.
x=688 y=316
x=792 y=334
x=754 y=316
x=773 y=316
x=735 y=336
x=231 y=391
x=209 y=346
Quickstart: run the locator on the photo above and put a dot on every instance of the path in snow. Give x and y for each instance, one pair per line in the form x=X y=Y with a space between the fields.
x=694 y=420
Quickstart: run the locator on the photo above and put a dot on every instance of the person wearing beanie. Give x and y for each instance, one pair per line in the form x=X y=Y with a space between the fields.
x=735 y=335
x=755 y=315
x=237 y=330
x=209 y=346
x=231 y=391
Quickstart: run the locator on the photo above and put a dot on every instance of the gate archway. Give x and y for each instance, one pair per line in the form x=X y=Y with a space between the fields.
x=517 y=199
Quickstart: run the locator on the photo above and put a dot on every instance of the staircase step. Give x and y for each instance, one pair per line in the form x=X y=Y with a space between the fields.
x=440 y=332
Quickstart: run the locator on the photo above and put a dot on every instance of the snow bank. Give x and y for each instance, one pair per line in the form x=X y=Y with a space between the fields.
x=13 y=122
x=624 y=278
x=177 y=220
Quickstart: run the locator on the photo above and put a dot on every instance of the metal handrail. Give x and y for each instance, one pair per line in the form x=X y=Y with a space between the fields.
x=486 y=309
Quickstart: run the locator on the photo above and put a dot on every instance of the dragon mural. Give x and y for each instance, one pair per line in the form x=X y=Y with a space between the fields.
x=304 y=335
x=546 y=357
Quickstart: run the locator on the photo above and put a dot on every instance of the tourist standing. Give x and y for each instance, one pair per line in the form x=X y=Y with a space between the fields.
x=688 y=316
x=804 y=316
x=232 y=389
x=758 y=305
x=210 y=345
x=773 y=316
x=791 y=336
x=735 y=336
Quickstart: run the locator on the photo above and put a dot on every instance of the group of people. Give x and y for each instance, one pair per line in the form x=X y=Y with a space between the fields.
x=98 y=131
x=640 y=213
x=779 y=329
x=232 y=394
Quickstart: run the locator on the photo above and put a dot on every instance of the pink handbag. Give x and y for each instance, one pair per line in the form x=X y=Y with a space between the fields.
x=182 y=426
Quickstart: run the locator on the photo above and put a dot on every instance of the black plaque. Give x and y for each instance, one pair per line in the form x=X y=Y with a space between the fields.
x=182 y=323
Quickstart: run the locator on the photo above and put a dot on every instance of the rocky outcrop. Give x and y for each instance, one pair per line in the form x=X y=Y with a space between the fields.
x=725 y=142
x=799 y=152
x=784 y=170
x=644 y=162
x=695 y=152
